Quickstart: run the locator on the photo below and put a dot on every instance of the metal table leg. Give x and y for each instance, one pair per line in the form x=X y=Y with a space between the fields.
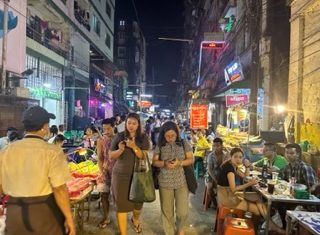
x=269 y=202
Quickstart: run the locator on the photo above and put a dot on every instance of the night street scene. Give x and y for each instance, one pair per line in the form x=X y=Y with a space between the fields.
x=159 y=117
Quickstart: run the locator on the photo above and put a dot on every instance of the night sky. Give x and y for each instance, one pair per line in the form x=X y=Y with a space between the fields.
x=161 y=18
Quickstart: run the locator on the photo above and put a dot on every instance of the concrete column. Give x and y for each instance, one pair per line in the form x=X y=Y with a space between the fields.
x=299 y=111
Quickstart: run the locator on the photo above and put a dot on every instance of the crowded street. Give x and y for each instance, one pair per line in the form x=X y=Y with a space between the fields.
x=164 y=117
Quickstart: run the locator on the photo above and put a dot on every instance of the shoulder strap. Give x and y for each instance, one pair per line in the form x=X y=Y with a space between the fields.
x=184 y=149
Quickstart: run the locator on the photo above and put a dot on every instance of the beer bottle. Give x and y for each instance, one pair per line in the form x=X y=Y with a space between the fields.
x=265 y=171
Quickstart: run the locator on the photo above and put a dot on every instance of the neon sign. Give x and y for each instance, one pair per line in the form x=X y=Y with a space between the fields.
x=45 y=93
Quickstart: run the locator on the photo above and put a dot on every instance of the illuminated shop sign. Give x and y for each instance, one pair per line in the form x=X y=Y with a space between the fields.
x=45 y=93
x=102 y=88
x=229 y=24
x=212 y=44
x=232 y=100
x=199 y=116
x=233 y=72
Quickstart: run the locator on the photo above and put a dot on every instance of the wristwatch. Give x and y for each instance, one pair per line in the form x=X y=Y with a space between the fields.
x=135 y=150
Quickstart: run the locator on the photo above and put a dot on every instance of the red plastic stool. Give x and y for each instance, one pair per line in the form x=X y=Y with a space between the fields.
x=221 y=214
x=206 y=198
x=238 y=226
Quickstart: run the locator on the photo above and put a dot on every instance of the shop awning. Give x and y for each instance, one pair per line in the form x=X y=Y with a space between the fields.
x=219 y=95
x=244 y=84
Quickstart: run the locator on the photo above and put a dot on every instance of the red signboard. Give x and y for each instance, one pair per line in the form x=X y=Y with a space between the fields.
x=144 y=103
x=232 y=100
x=199 y=116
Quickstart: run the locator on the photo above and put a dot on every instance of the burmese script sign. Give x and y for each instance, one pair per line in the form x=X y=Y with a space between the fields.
x=232 y=100
x=199 y=116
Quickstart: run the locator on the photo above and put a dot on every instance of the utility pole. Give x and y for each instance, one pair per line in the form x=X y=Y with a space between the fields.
x=254 y=11
x=4 y=46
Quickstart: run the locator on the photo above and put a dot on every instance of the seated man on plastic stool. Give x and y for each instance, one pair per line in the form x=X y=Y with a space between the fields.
x=215 y=159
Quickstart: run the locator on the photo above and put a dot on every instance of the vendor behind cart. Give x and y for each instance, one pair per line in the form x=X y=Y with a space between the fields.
x=33 y=173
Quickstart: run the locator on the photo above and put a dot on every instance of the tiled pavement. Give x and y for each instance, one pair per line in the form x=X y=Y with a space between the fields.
x=200 y=220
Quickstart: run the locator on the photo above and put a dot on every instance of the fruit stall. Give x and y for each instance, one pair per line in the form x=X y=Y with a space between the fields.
x=252 y=145
x=80 y=187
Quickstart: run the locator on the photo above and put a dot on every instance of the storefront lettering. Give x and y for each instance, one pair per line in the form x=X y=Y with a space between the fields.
x=232 y=100
x=45 y=93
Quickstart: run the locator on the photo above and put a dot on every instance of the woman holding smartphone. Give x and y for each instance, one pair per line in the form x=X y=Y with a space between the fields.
x=125 y=147
x=170 y=155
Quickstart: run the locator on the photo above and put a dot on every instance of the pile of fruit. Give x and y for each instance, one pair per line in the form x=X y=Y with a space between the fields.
x=77 y=185
x=234 y=138
x=84 y=169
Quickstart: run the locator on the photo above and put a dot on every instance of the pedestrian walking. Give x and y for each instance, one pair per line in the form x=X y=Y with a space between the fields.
x=105 y=165
x=170 y=155
x=125 y=147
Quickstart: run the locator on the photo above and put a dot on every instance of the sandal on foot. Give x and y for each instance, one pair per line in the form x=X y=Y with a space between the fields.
x=104 y=223
x=137 y=227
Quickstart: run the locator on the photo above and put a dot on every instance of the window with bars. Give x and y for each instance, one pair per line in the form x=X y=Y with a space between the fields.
x=44 y=74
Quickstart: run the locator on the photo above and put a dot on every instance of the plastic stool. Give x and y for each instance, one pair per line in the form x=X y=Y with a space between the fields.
x=233 y=226
x=206 y=198
x=221 y=214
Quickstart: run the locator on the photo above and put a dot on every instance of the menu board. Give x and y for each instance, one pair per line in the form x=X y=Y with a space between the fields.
x=199 y=116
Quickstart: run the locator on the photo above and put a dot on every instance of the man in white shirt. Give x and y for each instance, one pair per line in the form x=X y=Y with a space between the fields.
x=34 y=173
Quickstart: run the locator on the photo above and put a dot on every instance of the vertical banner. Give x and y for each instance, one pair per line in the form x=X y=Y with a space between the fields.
x=199 y=116
x=16 y=36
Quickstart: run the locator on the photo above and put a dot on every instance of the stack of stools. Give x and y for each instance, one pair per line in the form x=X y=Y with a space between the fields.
x=238 y=226
x=229 y=222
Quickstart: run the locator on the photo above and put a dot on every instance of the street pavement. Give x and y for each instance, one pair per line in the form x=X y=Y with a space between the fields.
x=200 y=220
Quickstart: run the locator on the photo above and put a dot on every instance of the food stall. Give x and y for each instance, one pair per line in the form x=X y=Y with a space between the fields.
x=80 y=187
x=252 y=145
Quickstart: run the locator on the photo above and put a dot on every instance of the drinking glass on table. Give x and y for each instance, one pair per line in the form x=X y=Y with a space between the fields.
x=271 y=184
x=275 y=176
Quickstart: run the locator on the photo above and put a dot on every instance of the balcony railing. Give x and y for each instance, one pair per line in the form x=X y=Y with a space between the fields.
x=50 y=43
x=82 y=16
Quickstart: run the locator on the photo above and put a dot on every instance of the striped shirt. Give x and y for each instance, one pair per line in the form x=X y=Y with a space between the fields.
x=172 y=178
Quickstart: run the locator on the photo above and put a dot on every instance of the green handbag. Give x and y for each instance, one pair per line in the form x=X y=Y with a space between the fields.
x=142 y=186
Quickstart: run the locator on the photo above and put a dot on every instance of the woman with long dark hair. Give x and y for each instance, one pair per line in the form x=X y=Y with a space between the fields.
x=125 y=147
x=170 y=155
x=229 y=193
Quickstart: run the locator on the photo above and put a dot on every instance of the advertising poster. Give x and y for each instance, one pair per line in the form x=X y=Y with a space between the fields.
x=16 y=35
x=199 y=116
